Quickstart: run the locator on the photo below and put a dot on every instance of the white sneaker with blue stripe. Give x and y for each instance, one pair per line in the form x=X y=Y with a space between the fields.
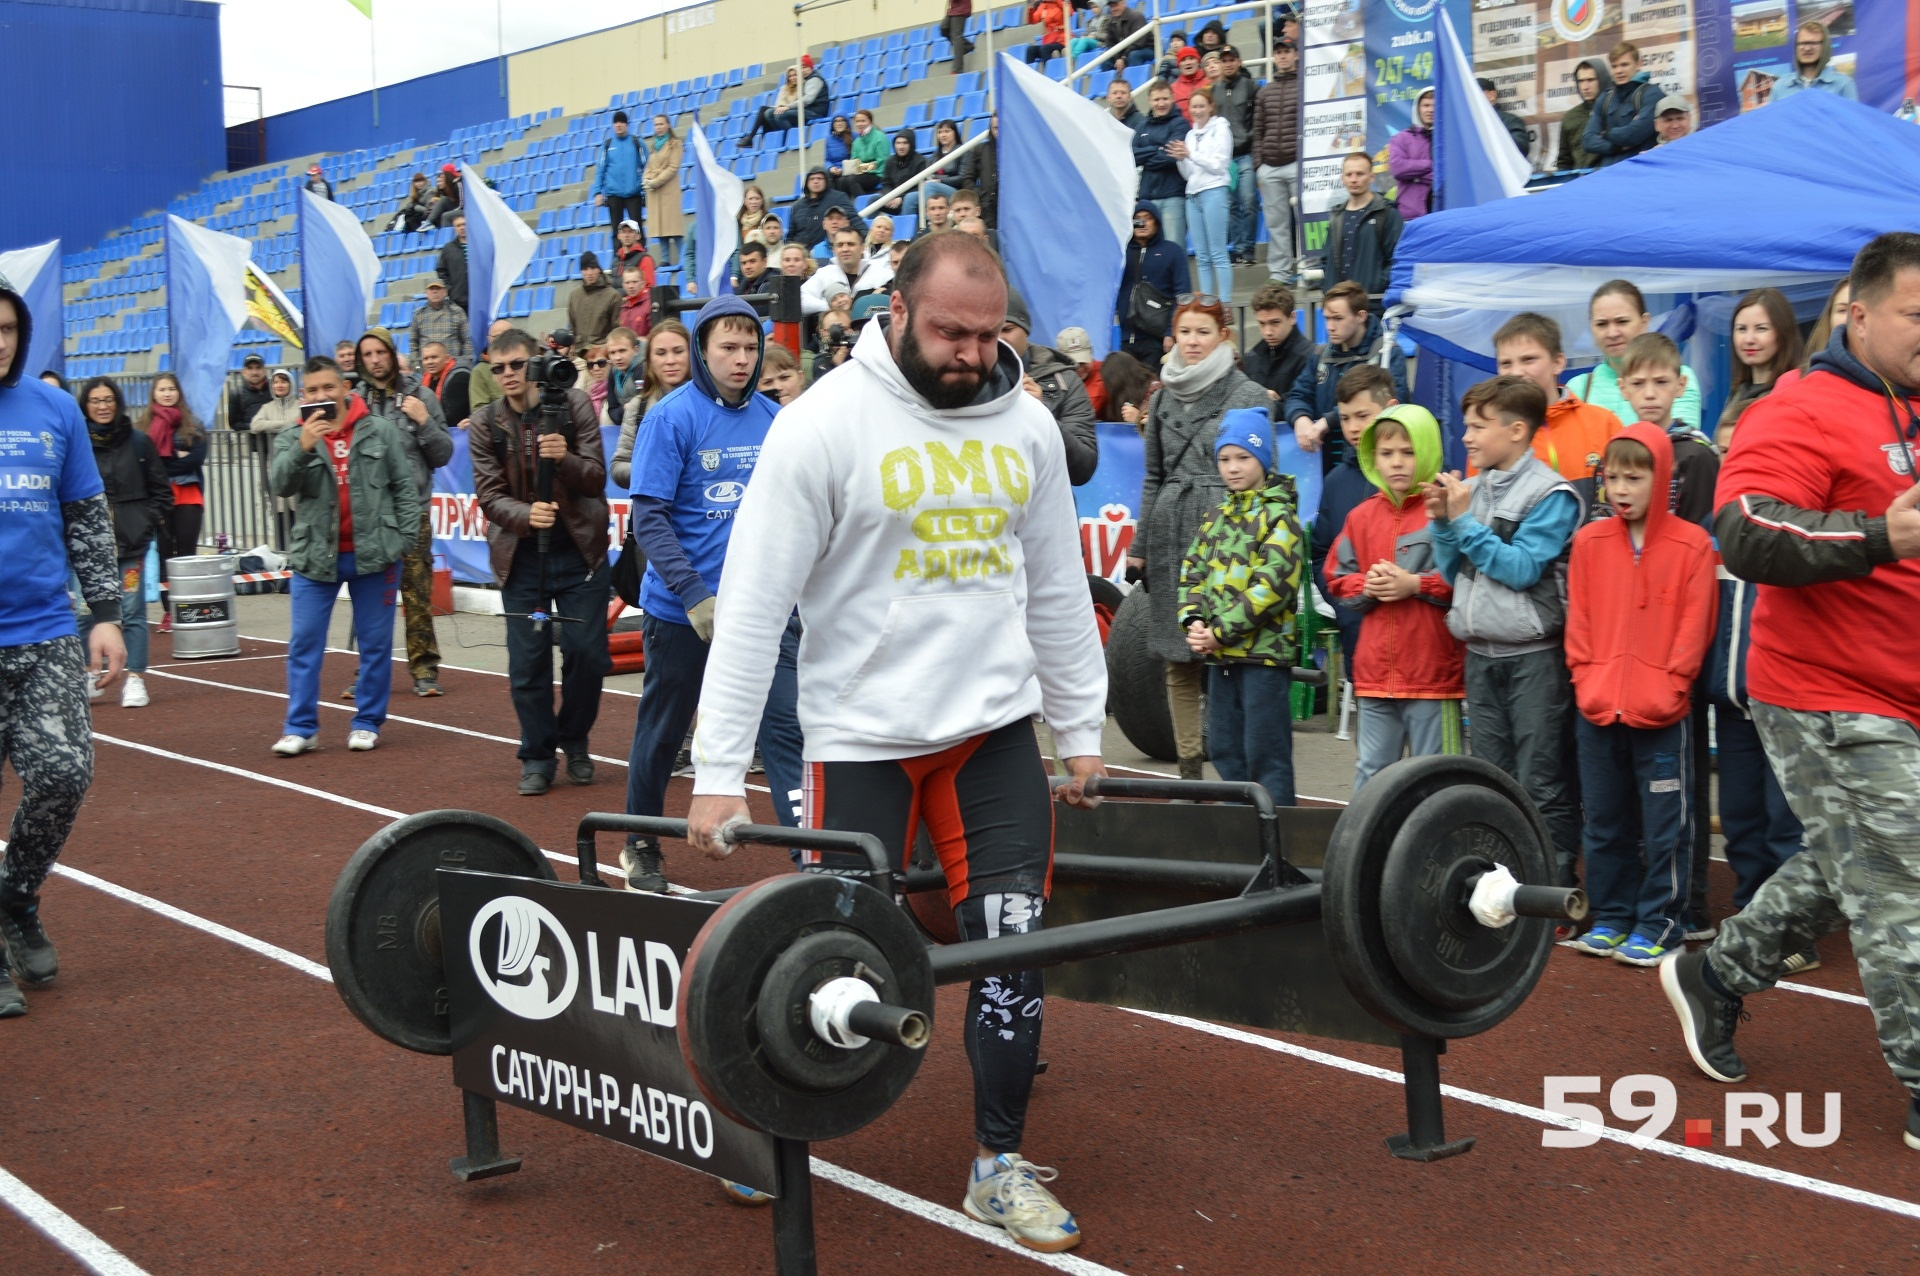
x=1012 y=1197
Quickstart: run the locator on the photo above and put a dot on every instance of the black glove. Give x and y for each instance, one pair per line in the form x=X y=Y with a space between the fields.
x=1137 y=575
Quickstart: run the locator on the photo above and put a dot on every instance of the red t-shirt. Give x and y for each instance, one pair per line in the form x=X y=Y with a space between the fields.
x=336 y=447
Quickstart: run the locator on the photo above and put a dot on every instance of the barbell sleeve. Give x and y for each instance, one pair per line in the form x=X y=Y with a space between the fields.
x=905 y=1028
x=1567 y=904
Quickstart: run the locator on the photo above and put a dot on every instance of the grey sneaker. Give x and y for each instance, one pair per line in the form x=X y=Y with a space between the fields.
x=645 y=867
x=427 y=687
x=1014 y=1198
x=13 y=1002
x=28 y=950
x=1707 y=1020
x=1801 y=962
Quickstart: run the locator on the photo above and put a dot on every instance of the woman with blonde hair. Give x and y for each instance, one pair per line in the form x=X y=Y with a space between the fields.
x=667 y=365
x=879 y=236
x=780 y=376
x=181 y=441
x=1833 y=317
x=796 y=260
x=664 y=153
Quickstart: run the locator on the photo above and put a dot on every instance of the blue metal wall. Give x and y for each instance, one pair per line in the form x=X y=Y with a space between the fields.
x=426 y=109
x=113 y=107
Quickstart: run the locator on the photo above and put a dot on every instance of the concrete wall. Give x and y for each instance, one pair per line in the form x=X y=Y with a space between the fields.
x=582 y=73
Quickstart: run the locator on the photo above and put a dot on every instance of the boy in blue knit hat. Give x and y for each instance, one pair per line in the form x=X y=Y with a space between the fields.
x=1240 y=586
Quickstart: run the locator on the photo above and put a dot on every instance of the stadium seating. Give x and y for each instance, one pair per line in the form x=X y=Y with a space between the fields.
x=541 y=164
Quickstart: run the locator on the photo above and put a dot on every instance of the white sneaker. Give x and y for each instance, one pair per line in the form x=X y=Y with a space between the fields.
x=361 y=741
x=1013 y=1198
x=288 y=746
x=134 y=695
x=93 y=685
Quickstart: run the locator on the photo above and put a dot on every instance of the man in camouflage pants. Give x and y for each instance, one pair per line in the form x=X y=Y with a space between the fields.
x=54 y=520
x=1834 y=683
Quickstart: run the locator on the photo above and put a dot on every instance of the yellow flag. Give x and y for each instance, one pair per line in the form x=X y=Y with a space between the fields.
x=365 y=6
x=270 y=308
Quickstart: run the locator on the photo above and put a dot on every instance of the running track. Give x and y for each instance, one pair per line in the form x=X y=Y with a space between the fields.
x=192 y=1096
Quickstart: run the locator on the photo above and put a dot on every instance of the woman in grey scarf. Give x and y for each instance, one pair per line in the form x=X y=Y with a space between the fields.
x=1199 y=383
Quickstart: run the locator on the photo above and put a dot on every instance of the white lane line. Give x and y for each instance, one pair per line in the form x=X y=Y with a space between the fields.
x=60 y=1227
x=96 y=1253
x=1713 y=1160
x=158 y=752
x=954 y=1219
x=611 y=870
x=210 y=661
x=491 y=673
x=392 y=717
x=185 y=918
x=1828 y=993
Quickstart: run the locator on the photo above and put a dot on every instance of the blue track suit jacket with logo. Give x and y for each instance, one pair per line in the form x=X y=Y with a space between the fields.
x=691 y=464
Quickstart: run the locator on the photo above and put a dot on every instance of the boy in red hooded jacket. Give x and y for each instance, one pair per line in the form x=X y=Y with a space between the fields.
x=1408 y=668
x=1641 y=603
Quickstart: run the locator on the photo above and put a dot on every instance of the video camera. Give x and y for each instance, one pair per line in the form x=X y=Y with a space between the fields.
x=838 y=337
x=552 y=373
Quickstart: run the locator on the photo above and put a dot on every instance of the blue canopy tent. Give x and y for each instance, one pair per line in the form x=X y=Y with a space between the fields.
x=1781 y=197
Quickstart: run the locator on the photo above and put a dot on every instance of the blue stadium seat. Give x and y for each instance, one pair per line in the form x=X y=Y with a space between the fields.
x=967 y=82
x=971 y=104
x=942 y=108
x=895 y=78
x=896 y=40
x=542 y=299
x=919 y=36
x=876 y=44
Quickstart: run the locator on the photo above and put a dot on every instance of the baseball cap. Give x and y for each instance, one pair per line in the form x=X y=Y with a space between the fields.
x=865 y=308
x=1075 y=344
x=253 y=361
x=1228 y=51
x=450 y=168
x=313 y=170
x=628 y=221
x=435 y=283
x=1672 y=102
x=1184 y=52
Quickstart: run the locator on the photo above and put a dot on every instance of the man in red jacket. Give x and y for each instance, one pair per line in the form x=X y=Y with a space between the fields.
x=1408 y=668
x=1818 y=506
x=1641 y=602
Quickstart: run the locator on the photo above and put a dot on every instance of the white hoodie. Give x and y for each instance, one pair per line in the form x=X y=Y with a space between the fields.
x=935 y=558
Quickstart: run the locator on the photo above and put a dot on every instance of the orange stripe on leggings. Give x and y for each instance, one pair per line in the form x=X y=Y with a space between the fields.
x=937 y=800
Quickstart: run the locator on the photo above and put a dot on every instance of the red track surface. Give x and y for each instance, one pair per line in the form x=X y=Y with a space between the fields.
x=203 y=1108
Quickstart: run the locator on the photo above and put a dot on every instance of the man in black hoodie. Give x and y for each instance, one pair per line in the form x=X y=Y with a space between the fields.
x=806 y=218
x=57 y=524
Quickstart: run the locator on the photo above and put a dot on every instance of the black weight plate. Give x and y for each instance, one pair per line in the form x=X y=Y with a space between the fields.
x=729 y=965
x=383 y=921
x=794 y=1049
x=1351 y=900
x=1437 y=945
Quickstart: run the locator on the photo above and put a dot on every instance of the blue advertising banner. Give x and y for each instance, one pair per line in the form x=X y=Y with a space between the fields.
x=1108 y=503
x=460 y=529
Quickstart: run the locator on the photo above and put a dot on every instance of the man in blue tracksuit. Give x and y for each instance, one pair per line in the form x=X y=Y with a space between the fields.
x=617 y=178
x=692 y=462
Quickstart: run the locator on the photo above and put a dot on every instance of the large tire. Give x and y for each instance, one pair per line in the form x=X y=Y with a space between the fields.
x=1137 y=682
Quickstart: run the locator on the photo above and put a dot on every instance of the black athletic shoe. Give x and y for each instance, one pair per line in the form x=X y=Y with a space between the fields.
x=29 y=951
x=534 y=782
x=1912 y=1135
x=645 y=867
x=13 y=1002
x=1707 y=1019
x=580 y=767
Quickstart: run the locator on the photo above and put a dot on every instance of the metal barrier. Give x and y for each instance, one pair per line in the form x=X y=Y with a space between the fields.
x=239 y=502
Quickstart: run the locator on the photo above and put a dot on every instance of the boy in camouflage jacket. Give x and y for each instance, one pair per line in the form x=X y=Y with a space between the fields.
x=1239 y=585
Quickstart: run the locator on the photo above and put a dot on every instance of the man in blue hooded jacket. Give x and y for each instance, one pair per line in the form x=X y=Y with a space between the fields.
x=692 y=462
x=1623 y=121
x=618 y=179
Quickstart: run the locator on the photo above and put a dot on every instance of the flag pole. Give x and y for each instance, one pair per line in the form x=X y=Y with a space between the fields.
x=373 y=66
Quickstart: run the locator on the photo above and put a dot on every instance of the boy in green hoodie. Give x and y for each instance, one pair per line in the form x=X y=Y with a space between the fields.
x=1240 y=583
x=1408 y=668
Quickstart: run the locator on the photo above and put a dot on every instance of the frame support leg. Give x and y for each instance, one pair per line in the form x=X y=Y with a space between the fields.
x=793 y=1253
x=1426 y=1136
x=483 y=1159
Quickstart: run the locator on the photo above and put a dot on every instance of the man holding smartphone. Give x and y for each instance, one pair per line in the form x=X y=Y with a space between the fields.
x=357 y=509
x=54 y=520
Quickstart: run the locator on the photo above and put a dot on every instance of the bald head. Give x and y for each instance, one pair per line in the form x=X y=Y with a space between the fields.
x=950 y=300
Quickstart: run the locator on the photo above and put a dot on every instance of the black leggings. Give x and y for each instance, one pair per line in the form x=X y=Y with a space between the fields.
x=987 y=806
x=180 y=535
